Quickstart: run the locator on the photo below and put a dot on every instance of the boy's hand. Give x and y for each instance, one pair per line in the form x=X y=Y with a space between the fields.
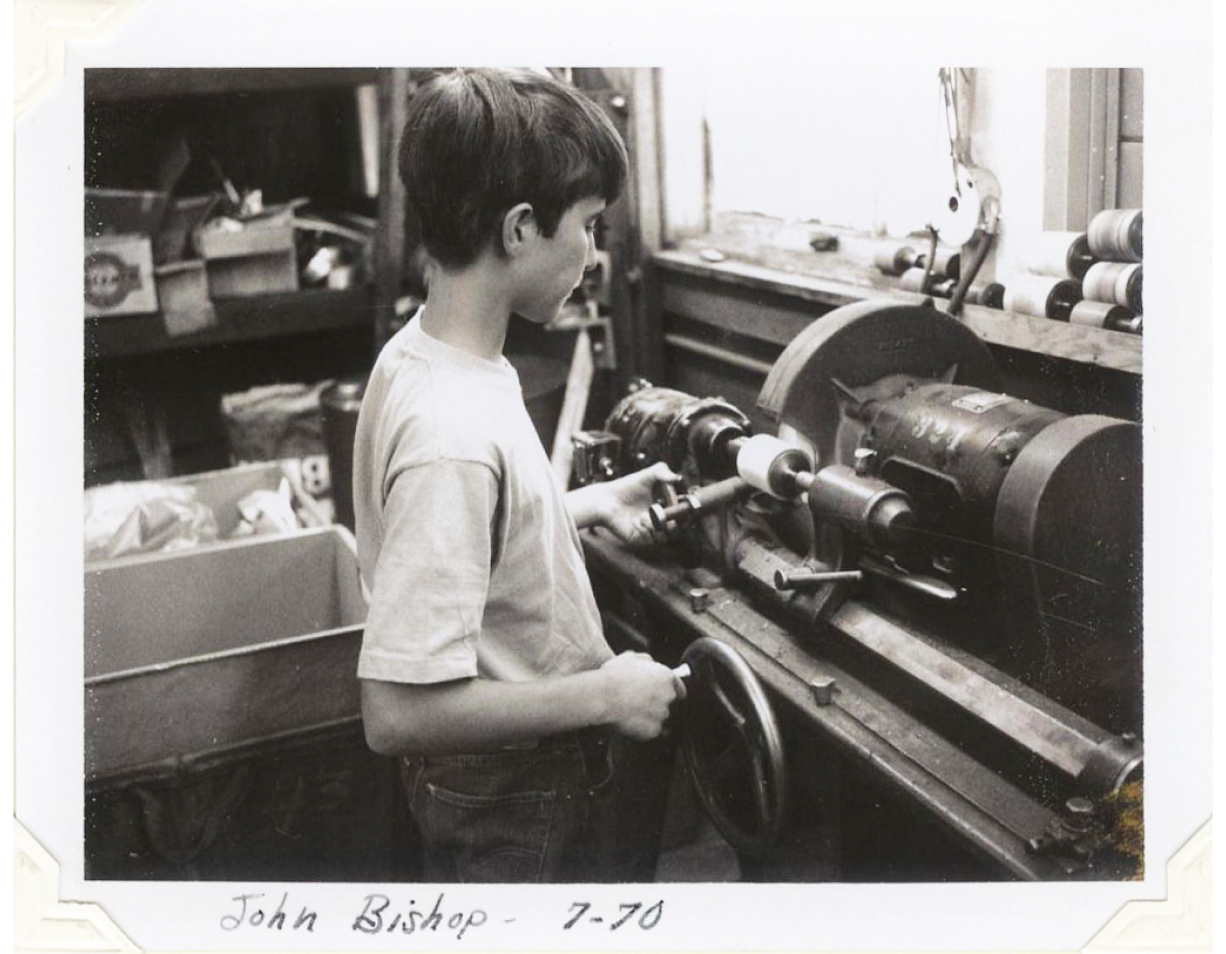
x=640 y=693
x=627 y=500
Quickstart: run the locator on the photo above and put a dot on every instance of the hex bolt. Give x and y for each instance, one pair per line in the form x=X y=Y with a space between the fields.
x=700 y=599
x=1079 y=813
x=822 y=689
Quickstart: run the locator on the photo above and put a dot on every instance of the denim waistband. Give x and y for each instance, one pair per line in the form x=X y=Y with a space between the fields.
x=593 y=747
x=590 y=736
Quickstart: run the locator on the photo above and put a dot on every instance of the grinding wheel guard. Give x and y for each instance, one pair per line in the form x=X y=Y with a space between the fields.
x=733 y=747
x=860 y=343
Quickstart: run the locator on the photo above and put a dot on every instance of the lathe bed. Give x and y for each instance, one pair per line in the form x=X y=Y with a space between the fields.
x=658 y=606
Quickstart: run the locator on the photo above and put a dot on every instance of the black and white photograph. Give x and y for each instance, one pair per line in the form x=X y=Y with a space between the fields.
x=731 y=501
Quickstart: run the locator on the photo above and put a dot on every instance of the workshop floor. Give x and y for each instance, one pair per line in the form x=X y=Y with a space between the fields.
x=691 y=849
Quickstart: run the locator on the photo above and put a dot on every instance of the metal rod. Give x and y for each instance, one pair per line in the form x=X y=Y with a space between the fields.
x=804 y=579
x=719 y=354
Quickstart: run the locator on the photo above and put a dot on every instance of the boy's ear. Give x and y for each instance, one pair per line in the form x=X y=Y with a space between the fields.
x=518 y=227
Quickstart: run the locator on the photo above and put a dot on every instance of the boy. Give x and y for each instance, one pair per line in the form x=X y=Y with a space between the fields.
x=483 y=664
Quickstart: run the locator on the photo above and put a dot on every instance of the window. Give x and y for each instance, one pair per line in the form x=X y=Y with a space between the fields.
x=1094 y=144
x=863 y=148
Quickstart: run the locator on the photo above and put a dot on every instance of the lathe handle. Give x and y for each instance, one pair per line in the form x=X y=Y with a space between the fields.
x=708 y=497
x=803 y=579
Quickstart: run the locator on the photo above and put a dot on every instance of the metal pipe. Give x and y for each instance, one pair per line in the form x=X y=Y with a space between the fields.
x=695 y=346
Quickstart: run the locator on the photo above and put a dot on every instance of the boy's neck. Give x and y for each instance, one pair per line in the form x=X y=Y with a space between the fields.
x=468 y=309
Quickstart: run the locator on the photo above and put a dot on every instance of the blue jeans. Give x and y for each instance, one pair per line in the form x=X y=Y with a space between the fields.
x=580 y=806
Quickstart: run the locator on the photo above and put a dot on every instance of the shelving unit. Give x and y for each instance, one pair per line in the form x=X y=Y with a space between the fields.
x=281 y=130
x=1093 y=346
x=127 y=86
x=238 y=320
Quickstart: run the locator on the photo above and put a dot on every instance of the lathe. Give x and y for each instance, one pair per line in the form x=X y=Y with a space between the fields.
x=912 y=613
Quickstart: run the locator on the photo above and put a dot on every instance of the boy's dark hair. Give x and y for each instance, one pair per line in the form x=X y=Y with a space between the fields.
x=478 y=141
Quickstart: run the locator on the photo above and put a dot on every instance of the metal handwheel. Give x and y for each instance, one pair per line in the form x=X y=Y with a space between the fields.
x=733 y=746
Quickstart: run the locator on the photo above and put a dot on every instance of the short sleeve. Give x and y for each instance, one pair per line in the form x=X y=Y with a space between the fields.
x=432 y=576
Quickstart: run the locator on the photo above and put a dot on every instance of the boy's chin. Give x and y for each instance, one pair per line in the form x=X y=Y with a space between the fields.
x=541 y=316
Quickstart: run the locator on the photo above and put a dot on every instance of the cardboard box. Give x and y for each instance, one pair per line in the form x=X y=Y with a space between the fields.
x=171 y=243
x=124 y=212
x=183 y=292
x=223 y=490
x=253 y=275
x=119 y=276
x=257 y=258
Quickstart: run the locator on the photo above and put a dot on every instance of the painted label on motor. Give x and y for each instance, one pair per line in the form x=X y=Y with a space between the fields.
x=980 y=401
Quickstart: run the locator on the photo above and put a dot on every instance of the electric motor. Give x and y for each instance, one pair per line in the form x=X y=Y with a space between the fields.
x=684 y=431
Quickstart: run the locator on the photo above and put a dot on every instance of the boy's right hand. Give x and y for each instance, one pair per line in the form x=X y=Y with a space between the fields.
x=639 y=694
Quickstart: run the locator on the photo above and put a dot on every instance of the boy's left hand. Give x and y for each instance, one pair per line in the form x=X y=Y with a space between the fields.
x=627 y=500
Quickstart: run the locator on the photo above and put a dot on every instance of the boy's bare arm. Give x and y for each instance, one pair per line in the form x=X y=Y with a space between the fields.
x=631 y=692
x=620 y=505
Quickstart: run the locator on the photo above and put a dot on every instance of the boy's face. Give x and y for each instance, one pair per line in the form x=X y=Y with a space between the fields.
x=556 y=264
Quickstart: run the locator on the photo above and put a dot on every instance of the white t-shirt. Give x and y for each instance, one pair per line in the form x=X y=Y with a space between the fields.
x=473 y=563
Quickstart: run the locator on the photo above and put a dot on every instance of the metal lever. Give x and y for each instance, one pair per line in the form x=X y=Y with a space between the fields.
x=708 y=497
x=812 y=579
x=925 y=585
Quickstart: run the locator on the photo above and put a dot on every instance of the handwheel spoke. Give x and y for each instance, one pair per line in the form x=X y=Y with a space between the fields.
x=729 y=762
x=760 y=783
x=711 y=769
x=727 y=708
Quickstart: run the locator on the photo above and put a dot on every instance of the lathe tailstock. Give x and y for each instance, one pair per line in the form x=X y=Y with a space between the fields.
x=913 y=613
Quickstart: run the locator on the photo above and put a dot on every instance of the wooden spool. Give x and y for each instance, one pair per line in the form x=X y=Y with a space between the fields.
x=1116 y=282
x=1062 y=254
x=1115 y=235
x=1042 y=296
x=1102 y=314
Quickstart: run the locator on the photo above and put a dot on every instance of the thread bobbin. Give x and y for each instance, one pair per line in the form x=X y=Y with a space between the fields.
x=1114 y=235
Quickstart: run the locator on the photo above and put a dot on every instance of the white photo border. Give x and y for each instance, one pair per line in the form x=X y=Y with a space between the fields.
x=57 y=910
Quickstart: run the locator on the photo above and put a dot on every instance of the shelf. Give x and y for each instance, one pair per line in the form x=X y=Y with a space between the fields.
x=238 y=319
x=1092 y=346
x=126 y=85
